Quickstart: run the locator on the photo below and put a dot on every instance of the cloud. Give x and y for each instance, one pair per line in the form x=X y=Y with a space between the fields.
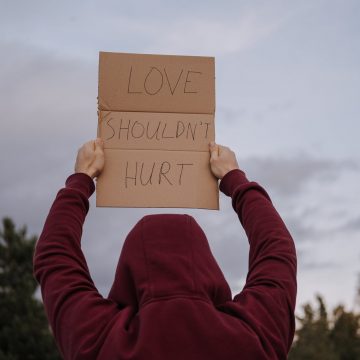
x=288 y=176
x=202 y=28
x=48 y=110
x=299 y=229
x=208 y=31
x=204 y=36
x=318 y=265
x=352 y=225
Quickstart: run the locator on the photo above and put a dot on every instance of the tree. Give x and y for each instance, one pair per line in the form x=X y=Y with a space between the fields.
x=320 y=337
x=345 y=334
x=24 y=330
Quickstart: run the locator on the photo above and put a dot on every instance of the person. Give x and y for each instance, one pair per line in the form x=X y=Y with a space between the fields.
x=169 y=299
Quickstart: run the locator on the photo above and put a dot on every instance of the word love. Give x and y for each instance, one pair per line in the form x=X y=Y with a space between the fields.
x=157 y=172
x=157 y=79
x=121 y=128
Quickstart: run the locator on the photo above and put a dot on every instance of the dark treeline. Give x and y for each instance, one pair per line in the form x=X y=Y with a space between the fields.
x=321 y=336
x=25 y=334
x=24 y=330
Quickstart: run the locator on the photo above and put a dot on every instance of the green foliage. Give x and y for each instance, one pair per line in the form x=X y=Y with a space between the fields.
x=24 y=331
x=322 y=338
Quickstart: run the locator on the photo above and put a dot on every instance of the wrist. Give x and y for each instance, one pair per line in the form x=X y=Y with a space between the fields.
x=82 y=182
x=228 y=170
x=85 y=172
x=88 y=170
x=231 y=180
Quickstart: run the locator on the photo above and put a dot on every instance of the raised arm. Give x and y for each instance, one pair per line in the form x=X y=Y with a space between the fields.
x=267 y=301
x=79 y=316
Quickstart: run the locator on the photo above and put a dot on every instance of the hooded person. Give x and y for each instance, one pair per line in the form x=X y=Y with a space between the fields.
x=169 y=299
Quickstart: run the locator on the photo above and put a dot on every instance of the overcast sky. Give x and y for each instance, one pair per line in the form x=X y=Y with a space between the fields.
x=287 y=102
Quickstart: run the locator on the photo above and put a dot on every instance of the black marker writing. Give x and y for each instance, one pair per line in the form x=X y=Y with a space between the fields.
x=113 y=130
x=132 y=92
x=149 y=181
x=147 y=79
x=130 y=177
x=181 y=171
x=177 y=82
x=165 y=173
x=127 y=129
x=164 y=169
x=153 y=82
x=187 y=81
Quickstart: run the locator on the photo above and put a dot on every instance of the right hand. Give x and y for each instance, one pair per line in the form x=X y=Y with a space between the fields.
x=90 y=158
x=222 y=160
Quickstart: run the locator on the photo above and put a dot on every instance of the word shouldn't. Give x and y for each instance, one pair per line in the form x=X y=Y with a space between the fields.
x=156 y=79
x=157 y=129
x=156 y=173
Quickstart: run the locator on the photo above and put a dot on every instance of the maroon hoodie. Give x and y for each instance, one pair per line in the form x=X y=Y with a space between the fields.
x=169 y=299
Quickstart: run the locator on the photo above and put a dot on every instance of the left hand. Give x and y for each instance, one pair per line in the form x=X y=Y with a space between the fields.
x=90 y=158
x=222 y=160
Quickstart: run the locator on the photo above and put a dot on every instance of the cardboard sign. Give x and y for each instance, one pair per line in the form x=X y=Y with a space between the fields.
x=156 y=117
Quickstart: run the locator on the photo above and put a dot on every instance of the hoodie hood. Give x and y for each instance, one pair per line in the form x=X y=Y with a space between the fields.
x=167 y=256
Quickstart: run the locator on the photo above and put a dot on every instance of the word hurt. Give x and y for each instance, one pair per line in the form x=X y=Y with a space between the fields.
x=141 y=174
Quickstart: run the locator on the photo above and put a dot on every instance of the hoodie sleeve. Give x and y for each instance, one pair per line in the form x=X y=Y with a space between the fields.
x=267 y=302
x=79 y=316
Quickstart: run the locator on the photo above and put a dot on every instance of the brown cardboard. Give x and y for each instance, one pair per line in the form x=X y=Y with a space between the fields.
x=156 y=131
x=137 y=178
x=156 y=142
x=156 y=83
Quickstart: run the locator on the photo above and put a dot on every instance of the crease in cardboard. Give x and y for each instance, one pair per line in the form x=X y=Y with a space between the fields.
x=102 y=116
x=158 y=149
x=102 y=102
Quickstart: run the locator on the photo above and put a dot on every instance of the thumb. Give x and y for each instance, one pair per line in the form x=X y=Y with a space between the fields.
x=99 y=144
x=214 y=150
